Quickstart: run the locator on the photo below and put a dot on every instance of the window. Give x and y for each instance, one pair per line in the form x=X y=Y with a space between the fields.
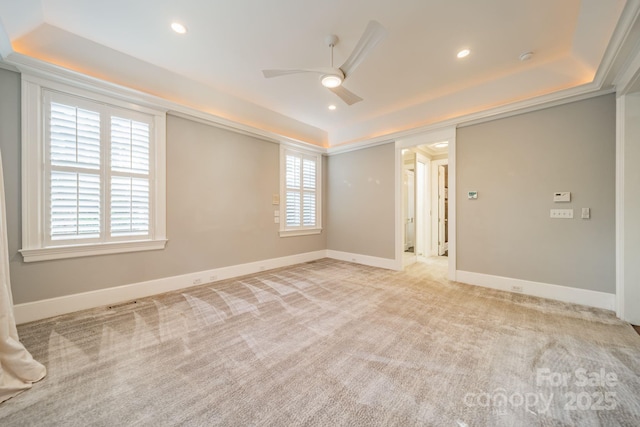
x=93 y=173
x=300 y=192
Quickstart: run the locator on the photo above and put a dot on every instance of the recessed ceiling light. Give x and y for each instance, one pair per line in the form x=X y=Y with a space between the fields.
x=332 y=107
x=463 y=53
x=178 y=28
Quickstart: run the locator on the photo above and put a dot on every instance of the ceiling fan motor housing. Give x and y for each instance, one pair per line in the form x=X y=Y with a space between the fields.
x=332 y=80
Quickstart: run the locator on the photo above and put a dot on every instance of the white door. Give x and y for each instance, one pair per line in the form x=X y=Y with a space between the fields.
x=443 y=203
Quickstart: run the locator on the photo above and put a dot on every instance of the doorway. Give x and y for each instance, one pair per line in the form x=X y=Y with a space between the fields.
x=425 y=205
x=425 y=210
x=416 y=209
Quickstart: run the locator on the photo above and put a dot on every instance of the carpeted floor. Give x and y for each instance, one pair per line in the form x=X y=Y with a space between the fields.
x=330 y=343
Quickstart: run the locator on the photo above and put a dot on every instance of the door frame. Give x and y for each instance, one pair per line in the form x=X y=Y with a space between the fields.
x=430 y=137
x=627 y=84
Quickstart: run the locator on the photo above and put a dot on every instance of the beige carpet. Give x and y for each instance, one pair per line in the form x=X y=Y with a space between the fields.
x=330 y=343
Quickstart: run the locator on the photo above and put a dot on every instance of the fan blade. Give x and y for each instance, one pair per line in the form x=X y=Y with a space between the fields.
x=276 y=73
x=346 y=95
x=373 y=34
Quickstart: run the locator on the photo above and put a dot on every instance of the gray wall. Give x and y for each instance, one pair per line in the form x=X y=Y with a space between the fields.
x=219 y=211
x=516 y=164
x=220 y=183
x=361 y=200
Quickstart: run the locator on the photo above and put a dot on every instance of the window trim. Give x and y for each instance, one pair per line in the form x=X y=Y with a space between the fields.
x=299 y=231
x=34 y=180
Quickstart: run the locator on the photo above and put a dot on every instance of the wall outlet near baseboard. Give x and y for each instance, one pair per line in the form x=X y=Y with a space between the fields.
x=516 y=288
x=197 y=281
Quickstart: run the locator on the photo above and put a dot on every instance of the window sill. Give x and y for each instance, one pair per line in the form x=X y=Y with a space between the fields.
x=293 y=233
x=76 y=251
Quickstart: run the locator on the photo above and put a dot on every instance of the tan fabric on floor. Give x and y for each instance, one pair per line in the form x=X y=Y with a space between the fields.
x=18 y=370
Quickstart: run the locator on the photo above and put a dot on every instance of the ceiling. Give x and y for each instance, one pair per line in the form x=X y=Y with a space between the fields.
x=411 y=79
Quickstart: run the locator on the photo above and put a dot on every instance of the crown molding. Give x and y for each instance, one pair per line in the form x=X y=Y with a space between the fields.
x=627 y=72
x=627 y=30
x=361 y=145
x=611 y=62
x=209 y=119
x=566 y=96
x=578 y=93
x=38 y=68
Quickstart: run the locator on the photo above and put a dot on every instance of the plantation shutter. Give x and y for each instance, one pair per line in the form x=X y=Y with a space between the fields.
x=300 y=188
x=293 y=191
x=93 y=171
x=98 y=168
x=308 y=193
x=130 y=205
x=74 y=152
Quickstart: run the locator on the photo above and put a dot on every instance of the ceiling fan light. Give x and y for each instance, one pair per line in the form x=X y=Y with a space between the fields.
x=331 y=81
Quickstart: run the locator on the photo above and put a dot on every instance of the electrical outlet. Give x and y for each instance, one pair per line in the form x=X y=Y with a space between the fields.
x=197 y=281
x=516 y=288
x=213 y=278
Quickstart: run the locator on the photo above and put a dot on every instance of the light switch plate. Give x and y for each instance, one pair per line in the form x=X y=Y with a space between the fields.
x=561 y=213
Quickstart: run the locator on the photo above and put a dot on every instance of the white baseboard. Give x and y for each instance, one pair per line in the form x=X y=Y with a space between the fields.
x=31 y=311
x=390 y=264
x=543 y=290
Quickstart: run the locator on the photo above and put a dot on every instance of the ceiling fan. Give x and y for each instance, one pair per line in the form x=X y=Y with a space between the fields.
x=332 y=77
